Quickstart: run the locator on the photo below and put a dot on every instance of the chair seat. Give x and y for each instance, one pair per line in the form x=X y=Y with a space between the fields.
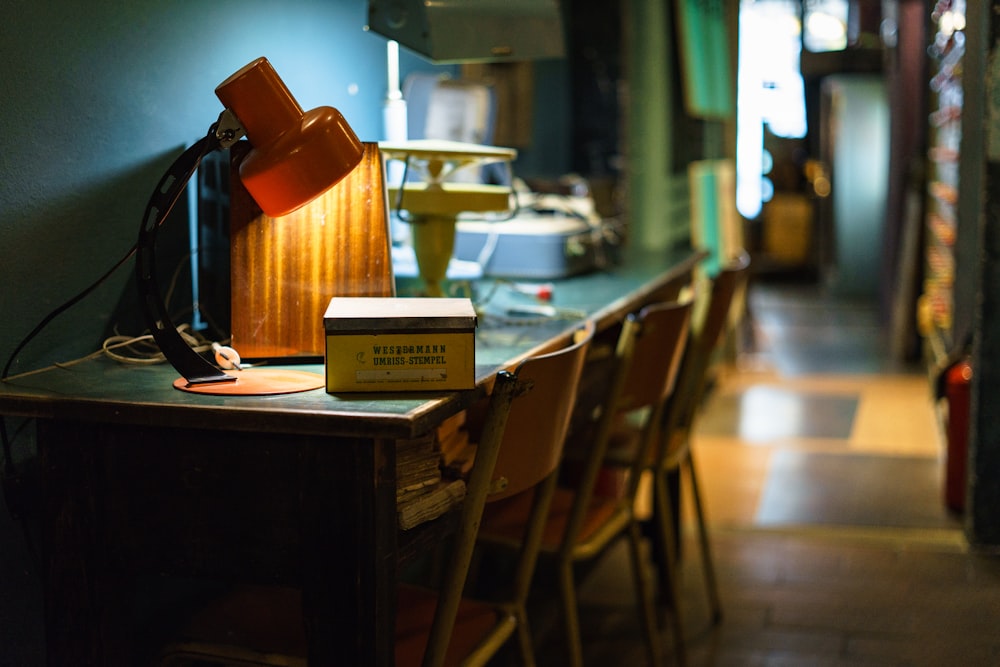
x=504 y=521
x=475 y=622
x=624 y=441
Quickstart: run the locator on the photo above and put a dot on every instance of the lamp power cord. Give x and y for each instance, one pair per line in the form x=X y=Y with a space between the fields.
x=14 y=486
x=124 y=349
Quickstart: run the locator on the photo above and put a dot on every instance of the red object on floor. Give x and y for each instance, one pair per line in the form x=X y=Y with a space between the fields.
x=957 y=381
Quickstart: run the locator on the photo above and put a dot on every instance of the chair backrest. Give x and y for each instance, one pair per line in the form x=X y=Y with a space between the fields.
x=646 y=361
x=649 y=353
x=658 y=337
x=539 y=417
x=672 y=289
x=711 y=318
x=725 y=289
x=601 y=363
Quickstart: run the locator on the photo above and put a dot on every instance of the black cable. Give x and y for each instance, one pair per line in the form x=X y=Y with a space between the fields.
x=63 y=308
x=12 y=480
x=10 y=471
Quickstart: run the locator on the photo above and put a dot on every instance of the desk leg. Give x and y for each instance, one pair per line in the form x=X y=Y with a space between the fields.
x=360 y=535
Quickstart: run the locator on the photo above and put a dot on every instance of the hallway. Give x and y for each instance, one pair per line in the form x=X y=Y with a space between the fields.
x=820 y=467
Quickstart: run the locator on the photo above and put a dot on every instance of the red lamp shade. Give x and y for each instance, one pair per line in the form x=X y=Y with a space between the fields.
x=296 y=156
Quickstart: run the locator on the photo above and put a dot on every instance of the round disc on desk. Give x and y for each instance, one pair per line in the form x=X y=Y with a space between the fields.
x=257 y=382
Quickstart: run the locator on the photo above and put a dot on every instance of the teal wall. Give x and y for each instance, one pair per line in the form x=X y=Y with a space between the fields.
x=99 y=97
x=658 y=211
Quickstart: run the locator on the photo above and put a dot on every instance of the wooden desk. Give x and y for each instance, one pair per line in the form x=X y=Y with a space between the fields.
x=141 y=479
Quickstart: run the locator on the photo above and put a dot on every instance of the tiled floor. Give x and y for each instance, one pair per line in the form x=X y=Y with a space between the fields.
x=820 y=465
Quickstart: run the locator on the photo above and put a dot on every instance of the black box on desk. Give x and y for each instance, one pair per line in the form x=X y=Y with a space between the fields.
x=399 y=344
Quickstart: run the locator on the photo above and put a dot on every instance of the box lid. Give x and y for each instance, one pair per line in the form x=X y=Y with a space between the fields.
x=374 y=314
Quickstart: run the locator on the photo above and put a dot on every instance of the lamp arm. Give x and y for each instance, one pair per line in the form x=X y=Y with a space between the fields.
x=195 y=368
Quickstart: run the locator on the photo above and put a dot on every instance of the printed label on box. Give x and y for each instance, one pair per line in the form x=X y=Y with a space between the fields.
x=426 y=361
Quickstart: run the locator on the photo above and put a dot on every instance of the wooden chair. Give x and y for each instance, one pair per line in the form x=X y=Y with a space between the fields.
x=672 y=453
x=678 y=421
x=526 y=456
x=518 y=451
x=581 y=523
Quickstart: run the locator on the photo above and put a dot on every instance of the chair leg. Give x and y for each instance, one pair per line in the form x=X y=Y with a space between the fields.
x=571 y=616
x=669 y=585
x=706 y=549
x=527 y=559
x=524 y=640
x=647 y=610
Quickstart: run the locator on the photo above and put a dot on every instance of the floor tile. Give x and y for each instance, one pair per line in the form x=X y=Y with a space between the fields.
x=766 y=413
x=850 y=489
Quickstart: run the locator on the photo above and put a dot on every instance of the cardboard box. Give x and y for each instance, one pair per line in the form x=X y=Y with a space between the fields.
x=399 y=344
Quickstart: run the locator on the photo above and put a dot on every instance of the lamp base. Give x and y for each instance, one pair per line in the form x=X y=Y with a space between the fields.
x=257 y=382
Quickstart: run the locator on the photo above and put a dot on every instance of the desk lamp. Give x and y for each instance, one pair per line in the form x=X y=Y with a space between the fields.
x=295 y=156
x=433 y=205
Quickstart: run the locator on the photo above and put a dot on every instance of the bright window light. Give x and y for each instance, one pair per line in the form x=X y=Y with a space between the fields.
x=769 y=89
x=825 y=25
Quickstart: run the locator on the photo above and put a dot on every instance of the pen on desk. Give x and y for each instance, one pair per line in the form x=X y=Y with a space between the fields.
x=532 y=310
x=541 y=291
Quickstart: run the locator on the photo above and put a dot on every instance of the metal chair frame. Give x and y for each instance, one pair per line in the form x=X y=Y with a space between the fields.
x=713 y=314
x=644 y=366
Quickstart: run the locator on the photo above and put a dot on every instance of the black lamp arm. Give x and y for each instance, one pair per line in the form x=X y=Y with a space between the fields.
x=195 y=368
